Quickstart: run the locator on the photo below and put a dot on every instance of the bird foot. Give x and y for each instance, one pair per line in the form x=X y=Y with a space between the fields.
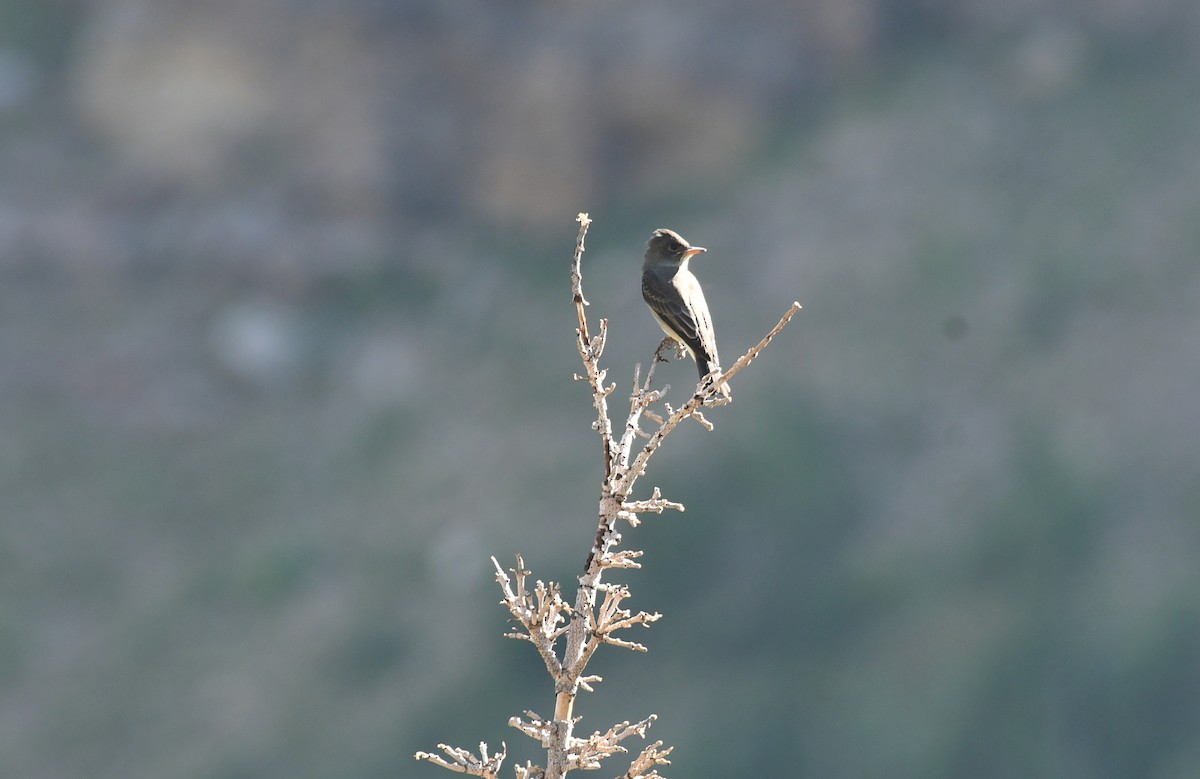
x=664 y=349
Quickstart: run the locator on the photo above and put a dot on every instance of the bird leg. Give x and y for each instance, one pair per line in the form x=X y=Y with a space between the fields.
x=660 y=354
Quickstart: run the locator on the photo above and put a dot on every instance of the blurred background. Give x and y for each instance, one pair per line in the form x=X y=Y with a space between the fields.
x=286 y=347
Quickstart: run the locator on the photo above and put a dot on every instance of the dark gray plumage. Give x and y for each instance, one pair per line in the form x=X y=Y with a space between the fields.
x=676 y=299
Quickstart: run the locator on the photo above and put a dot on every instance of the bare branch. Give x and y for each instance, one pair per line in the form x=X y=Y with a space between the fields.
x=577 y=275
x=657 y=503
x=540 y=611
x=601 y=745
x=463 y=762
x=651 y=756
x=709 y=393
x=585 y=682
x=540 y=615
x=632 y=645
x=540 y=730
x=753 y=351
x=613 y=618
x=530 y=771
x=704 y=423
x=625 y=558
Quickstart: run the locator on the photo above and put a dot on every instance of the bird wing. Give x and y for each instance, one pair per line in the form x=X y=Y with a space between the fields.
x=679 y=304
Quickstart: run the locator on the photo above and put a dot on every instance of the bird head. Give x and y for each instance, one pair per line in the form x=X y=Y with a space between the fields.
x=669 y=245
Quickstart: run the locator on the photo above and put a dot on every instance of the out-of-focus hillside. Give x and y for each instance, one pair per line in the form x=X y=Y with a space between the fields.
x=286 y=353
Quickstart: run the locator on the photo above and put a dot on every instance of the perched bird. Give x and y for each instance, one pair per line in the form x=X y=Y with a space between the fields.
x=676 y=300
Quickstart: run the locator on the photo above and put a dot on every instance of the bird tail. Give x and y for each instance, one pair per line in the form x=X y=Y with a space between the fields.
x=706 y=368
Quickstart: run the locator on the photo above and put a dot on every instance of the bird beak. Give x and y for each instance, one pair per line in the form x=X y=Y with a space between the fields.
x=692 y=252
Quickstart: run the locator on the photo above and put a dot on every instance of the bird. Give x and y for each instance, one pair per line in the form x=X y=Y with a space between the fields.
x=677 y=301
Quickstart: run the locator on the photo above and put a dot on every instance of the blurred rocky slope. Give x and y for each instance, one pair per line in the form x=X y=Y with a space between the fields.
x=285 y=354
